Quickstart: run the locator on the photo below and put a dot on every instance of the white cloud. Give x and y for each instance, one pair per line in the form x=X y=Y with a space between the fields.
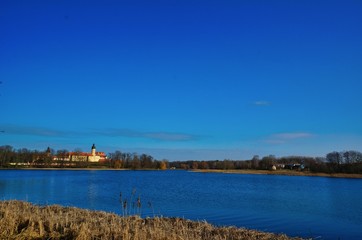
x=261 y=103
x=287 y=136
x=281 y=138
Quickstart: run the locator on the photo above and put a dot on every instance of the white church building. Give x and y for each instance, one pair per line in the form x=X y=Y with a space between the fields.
x=93 y=156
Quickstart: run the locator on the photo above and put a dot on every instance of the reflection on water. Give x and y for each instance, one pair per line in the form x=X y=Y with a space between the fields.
x=92 y=189
x=298 y=206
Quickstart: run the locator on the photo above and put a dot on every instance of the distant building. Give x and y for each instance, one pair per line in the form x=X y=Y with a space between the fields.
x=93 y=156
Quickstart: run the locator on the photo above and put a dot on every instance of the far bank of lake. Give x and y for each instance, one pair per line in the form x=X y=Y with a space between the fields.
x=282 y=172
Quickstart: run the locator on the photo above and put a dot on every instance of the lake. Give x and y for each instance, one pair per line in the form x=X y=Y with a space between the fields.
x=318 y=207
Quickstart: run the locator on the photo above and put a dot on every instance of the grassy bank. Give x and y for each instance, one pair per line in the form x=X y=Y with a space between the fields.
x=236 y=171
x=282 y=172
x=22 y=220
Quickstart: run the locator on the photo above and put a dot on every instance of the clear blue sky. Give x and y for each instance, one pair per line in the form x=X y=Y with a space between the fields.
x=182 y=79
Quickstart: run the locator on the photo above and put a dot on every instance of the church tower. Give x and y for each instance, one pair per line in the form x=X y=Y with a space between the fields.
x=93 y=150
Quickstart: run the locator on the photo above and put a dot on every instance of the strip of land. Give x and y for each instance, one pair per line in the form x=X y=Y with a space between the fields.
x=23 y=220
x=281 y=172
x=235 y=171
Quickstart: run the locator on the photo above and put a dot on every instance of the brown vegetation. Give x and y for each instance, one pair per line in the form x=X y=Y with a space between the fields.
x=283 y=172
x=22 y=220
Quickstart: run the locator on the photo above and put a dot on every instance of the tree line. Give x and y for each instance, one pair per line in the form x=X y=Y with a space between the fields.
x=119 y=159
x=11 y=157
x=333 y=162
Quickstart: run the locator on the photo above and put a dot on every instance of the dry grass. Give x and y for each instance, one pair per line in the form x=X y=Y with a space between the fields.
x=23 y=220
x=282 y=172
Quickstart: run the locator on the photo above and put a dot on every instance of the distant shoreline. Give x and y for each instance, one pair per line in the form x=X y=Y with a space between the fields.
x=281 y=172
x=234 y=171
x=72 y=169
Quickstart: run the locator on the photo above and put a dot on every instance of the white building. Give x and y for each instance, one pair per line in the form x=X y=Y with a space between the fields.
x=93 y=156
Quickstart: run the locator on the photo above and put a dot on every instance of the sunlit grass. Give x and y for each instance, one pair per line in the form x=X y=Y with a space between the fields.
x=23 y=220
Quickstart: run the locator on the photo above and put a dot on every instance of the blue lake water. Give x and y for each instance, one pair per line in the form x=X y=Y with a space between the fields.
x=318 y=207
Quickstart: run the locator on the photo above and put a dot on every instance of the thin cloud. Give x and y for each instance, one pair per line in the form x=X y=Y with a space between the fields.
x=281 y=138
x=163 y=136
x=128 y=133
x=184 y=154
x=288 y=136
x=170 y=136
x=117 y=133
x=33 y=131
x=261 y=103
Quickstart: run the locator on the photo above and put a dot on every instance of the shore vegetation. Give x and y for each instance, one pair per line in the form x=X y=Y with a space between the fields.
x=334 y=163
x=281 y=172
x=23 y=220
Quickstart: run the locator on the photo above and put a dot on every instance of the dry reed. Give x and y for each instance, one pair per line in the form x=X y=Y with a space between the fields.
x=23 y=220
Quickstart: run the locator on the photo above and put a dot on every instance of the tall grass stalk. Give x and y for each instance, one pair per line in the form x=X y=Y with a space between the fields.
x=130 y=206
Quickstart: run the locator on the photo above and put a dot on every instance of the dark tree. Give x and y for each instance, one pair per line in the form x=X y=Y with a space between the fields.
x=267 y=161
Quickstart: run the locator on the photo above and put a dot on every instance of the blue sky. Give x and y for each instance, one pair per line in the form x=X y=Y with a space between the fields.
x=182 y=79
